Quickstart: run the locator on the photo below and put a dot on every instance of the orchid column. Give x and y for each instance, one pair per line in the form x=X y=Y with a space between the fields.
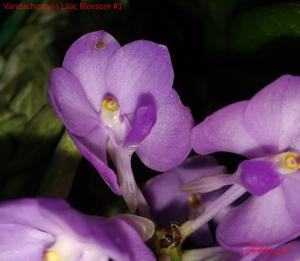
x=120 y=100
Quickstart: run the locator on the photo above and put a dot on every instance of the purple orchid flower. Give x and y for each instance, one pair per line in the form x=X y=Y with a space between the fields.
x=266 y=129
x=50 y=230
x=170 y=204
x=120 y=100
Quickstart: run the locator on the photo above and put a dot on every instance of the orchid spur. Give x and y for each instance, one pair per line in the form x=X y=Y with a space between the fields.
x=266 y=130
x=120 y=100
x=50 y=230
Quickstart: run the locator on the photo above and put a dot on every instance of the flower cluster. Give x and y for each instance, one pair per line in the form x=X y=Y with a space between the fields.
x=116 y=101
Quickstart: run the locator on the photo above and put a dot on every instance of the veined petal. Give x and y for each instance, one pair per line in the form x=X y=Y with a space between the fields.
x=136 y=68
x=224 y=130
x=272 y=116
x=87 y=59
x=260 y=221
x=93 y=148
x=51 y=215
x=291 y=187
x=70 y=103
x=171 y=130
x=143 y=120
x=18 y=242
x=208 y=184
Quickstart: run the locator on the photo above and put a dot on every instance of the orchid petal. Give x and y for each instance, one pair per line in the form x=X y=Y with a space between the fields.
x=18 y=242
x=93 y=148
x=53 y=216
x=143 y=226
x=120 y=241
x=139 y=67
x=224 y=131
x=70 y=103
x=244 y=224
x=291 y=187
x=208 y=184
x=272 y=116
x=171 y=130
x=87 y=59
x=143 y=121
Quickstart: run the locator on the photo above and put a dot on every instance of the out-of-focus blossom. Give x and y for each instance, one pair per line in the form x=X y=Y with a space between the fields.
x=120 y=100
x=170 y=204
x=266 y=129
x=50 y=230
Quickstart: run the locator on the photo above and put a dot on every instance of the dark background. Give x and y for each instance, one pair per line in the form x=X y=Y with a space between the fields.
x=222 y=51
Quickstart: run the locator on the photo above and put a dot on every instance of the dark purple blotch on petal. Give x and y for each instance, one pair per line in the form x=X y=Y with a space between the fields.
x=259 y=176
x=143 y=121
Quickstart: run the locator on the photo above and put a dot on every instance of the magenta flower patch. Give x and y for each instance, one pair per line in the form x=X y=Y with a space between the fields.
x=119 y=100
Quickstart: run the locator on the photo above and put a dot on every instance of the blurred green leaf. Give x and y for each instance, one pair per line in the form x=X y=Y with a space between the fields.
x=35 y=144
x=12 y=24
x=255 y=29
x=42 y=131
x=13 y=125
x=31 y=98
x=60 y=175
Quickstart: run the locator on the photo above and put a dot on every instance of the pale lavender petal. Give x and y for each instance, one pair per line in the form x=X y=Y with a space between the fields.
x=87 y=59
x=208 y=184
x=261 y=221
x=119 y=241
x=139 y=67
x=291 y=187
x=13 y=212
x=93 y=148
x=51 y=215
x=168 y=143
x=70 y=103
x=224 y=130
x=143 y=120
x=18 y=242
x=272 y=116
x=143 y=226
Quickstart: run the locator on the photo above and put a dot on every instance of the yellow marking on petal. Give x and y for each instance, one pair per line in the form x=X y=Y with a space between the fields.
x=51 y=256
x=288 y=162
x=291 y=161
x=109 y=103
